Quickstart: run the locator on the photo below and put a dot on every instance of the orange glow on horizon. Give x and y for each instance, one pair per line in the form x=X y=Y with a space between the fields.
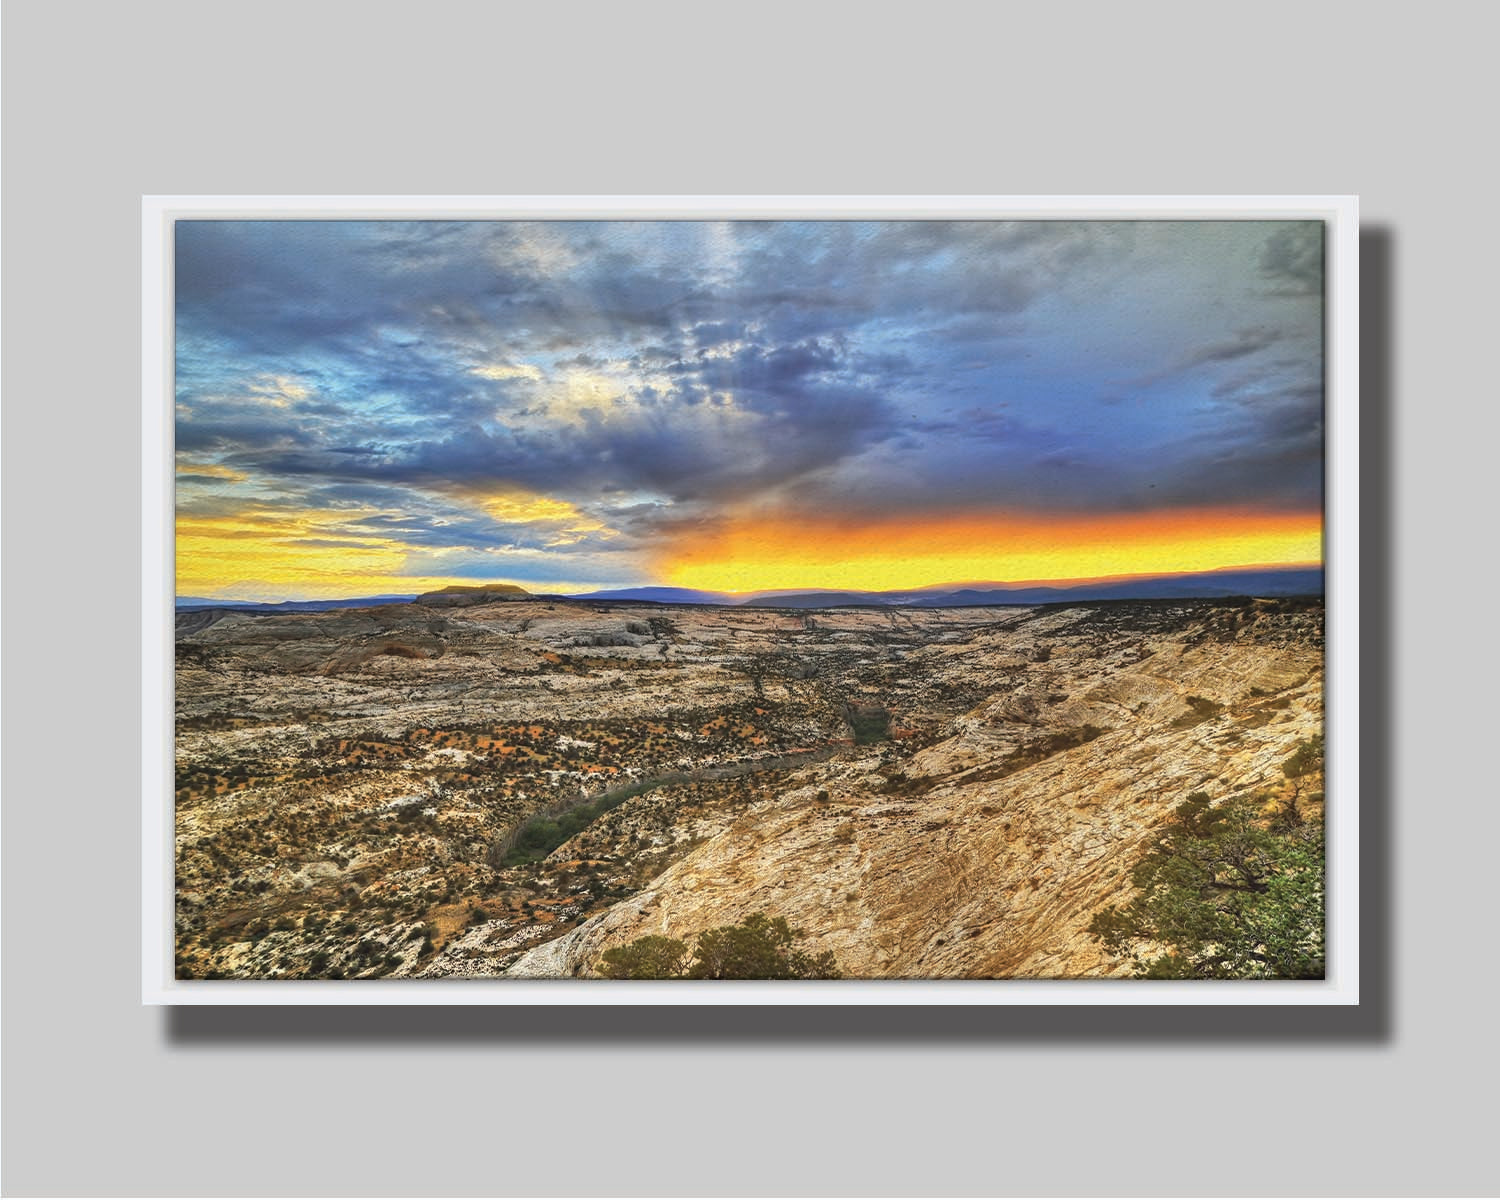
x=265 y=553
x=751 y=554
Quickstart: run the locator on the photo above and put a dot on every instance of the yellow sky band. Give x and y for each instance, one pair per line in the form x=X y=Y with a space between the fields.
x=266 y=556
x=756 y=555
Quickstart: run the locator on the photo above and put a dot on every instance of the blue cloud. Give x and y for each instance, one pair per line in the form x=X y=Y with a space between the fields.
x=405 y=367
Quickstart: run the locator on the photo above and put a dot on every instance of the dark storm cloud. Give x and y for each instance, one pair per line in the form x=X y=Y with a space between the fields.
x=711 y=452
x=1243 y=344
x=1276 y=464
x=413 y=368
x=708 y=334
x=237 y=436
x=192 y=479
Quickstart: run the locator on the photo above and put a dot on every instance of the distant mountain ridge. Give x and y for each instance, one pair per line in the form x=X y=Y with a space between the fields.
x=188 y=603
x=1203 y=585
x=1200 y=585
x=660 y=595
x=1255 y=581
x=457 y=594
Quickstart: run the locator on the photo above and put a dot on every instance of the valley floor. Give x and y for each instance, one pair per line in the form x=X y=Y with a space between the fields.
x=383 y=792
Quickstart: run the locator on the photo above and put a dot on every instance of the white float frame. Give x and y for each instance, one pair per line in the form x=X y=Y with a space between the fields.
x=1340 y=215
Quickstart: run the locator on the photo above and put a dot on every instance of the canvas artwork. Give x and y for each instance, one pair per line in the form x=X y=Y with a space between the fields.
x=819 y=599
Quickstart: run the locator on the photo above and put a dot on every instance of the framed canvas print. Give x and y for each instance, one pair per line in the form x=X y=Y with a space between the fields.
x=750 y=600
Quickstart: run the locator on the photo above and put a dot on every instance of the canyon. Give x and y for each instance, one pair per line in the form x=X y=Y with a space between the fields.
x=495 y=785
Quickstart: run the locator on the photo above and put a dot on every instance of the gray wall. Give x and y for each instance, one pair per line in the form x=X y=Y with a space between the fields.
x=106 y=102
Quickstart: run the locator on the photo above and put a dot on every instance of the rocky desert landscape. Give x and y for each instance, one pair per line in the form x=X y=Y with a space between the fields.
x=491 y=784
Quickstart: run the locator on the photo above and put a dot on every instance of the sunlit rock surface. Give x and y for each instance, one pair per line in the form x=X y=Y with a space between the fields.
x=925 y=792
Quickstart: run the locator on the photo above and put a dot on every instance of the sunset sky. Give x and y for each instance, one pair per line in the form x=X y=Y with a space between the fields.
x=387 y=407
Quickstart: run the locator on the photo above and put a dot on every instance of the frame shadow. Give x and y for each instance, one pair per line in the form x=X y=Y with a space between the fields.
x=1370 y=1022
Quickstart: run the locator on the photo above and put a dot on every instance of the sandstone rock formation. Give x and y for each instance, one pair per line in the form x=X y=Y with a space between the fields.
x=345 y=777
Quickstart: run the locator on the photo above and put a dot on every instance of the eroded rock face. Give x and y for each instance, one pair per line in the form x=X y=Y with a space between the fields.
x=345 y=777
x=967 y=859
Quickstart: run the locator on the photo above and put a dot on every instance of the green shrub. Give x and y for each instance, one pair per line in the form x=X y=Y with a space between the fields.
x=650 y=957
x=760 y=948
x=540 y=836
x=1307 y=759
x=1200 y=709
x=872 y=724
x=1224 y=894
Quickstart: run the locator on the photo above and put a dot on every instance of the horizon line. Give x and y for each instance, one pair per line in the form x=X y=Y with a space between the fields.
x=955 y=585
